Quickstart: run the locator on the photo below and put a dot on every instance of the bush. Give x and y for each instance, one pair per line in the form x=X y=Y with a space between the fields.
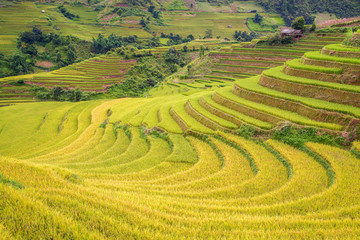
x=276 y=39
x=298 y=23
x=244 y=36
x=258 y=18
x=66 y=13
x=247 y=131
x=60 y=94
x=297 y=137
x=353 y=40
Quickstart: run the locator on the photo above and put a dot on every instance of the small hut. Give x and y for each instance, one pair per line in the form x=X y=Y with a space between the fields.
x=289 y=32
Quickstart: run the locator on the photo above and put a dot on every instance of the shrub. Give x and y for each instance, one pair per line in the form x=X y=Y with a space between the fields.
x=10 y=182
x=66 y=13
x=298 y=23
x=297 y=137
x=353 y=40
x=247 y=131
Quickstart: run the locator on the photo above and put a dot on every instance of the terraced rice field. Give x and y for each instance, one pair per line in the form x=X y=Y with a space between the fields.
x=172 y=166
x=237 y=61
x=10 y=94
x=196 y=23
x=26 y=15
x=95 y=74
x=73 y=171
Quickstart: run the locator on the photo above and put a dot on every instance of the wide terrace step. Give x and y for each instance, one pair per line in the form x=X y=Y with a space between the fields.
x=333 y=92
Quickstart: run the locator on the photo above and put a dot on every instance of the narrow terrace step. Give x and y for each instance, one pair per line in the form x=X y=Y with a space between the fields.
x=249 y=62
x=290 y=52
x=245 y=110
x=203 y=119
x=312 y=113
x=232 y=115
x=240 y=68
x=339 y=50
x=253 y=55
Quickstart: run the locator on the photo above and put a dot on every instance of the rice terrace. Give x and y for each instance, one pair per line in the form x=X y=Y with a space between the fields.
x=179 y=119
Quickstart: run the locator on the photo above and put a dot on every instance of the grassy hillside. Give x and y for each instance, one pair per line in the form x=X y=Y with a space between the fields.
x=122 y=19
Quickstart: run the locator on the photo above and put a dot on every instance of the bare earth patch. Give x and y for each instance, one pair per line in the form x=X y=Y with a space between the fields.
x=128 y=61
x=131 y=21
x=111 y=76
x=338 y=21
x=44 y=64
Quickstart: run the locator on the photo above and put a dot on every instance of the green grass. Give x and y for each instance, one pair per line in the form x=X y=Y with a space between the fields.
x=319 y=56
x=176 y=5
x=267 y=25
x=343 y=48
x=296 y=64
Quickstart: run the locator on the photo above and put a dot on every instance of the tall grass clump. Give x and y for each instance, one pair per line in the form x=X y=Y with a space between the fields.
x=9 y=182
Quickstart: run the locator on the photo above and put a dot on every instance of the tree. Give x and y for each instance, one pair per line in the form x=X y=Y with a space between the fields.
x=208 y=33
x=202 y=51
x=298 y=24
x=151 y=9
x=173 y=57
x=71 y=54
x=57 y=92
x=21 y=63
x=28 y=37
x=38 y=34
x=142 y=22
x=190 y=37
x=258 y=18
x=99 y=44
x=156 y=14
x=313 y=27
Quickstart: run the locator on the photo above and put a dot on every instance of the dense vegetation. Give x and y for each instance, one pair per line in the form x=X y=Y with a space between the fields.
x=290 y=9
x=102 y=44
x=66 y=13
x=35 y=46
x=60 y=94
x=147 y=73
x=244 y=36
